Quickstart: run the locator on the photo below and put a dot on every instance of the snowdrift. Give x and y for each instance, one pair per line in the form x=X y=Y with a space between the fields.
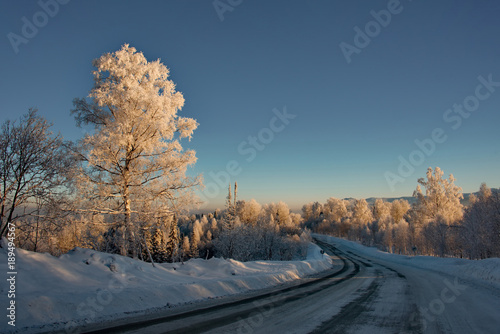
x=86 y=286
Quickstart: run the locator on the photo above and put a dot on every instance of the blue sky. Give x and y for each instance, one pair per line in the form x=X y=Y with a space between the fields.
x=353 y=121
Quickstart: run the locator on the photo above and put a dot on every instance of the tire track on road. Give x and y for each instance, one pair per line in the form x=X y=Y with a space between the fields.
x=362 y=312
x=268 y=299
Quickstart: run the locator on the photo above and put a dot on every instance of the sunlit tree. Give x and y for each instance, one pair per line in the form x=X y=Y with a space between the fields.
x=249 y=211
x=399 y=208
x=381 y=209
x=132 y=160
x=441 y=199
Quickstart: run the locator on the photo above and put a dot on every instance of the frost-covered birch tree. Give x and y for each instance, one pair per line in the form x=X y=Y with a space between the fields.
x=361 y=213
x=335 y=209
x=381 y=209
x=279 y=213
x=435 y=212
x=441 y=199
x=132 y=161
x=399 y=208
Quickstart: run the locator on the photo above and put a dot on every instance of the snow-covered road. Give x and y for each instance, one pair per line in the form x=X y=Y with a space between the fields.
x=411 y=299
x=362 y=294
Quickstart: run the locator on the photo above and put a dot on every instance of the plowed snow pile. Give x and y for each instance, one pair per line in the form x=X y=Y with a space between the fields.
x=86 y=286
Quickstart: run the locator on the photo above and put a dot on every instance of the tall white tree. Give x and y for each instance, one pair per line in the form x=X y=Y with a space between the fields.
x=434 y=213
x=133 y=161
x=441 y=199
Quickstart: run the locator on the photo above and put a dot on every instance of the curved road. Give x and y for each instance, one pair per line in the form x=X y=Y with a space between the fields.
x=361 y=295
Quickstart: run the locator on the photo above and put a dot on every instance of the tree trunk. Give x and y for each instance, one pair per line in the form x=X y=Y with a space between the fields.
x=149 y=253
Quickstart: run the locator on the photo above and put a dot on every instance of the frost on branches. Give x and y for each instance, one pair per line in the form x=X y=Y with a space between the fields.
x=441 y=200
x=435 y=224
x=132 y=164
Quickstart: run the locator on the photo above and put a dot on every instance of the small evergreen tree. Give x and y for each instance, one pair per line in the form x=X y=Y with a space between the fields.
x=158 y=245
x=173 y=241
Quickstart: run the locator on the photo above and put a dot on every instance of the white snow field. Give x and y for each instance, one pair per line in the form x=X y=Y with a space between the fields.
x=85 y=286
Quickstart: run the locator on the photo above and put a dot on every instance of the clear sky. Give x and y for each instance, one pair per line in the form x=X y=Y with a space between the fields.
x=353 y=121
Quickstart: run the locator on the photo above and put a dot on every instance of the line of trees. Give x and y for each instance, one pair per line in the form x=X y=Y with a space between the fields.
x=435 y=224
x=250 y=231
x=244 y=231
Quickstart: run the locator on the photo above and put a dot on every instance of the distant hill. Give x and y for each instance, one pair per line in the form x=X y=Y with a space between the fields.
x=412 y=200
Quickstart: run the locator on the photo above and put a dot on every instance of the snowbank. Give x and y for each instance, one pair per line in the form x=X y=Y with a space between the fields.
x=85 y=286
x=487 y=270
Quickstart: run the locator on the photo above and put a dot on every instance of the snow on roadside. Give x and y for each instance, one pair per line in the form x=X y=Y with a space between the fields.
x=487 y=270
x=86 y=286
